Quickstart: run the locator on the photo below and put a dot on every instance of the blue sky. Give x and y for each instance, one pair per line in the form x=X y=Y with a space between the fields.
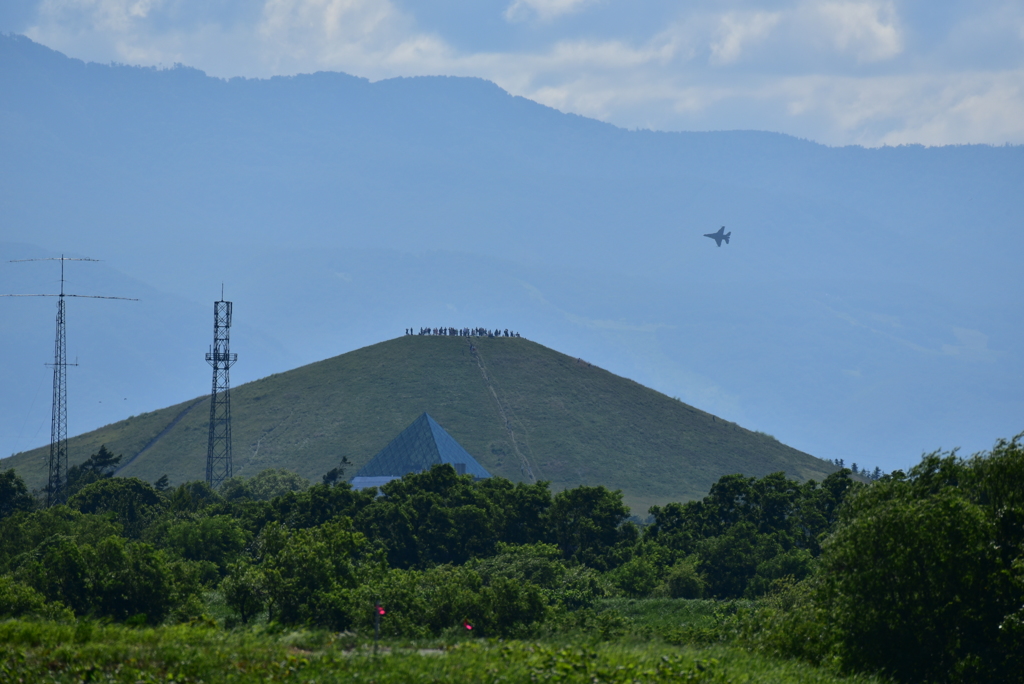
x=867 y=72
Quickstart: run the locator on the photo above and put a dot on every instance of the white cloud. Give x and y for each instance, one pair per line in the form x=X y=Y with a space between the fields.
x=338 y=34
x=738 y=30
x=833 y=71
x=103 y=15
x=867 y=30
x=929 y=109
x=545 y=10
x=977 y=107
x=333 y=20
x=971 y=345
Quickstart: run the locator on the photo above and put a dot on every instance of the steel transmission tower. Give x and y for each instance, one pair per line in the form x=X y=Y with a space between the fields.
x=218 y=448
x=56 y=490
x=56 y=482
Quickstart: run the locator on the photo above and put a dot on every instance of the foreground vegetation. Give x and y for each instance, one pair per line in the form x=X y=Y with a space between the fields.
x=917 y=577
x=86 y=651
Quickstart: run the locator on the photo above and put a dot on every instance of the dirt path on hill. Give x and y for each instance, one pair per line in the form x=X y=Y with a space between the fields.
x=507 y=416
x=160 y=435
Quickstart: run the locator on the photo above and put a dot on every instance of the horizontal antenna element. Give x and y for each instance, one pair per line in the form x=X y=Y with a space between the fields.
x=56 y=484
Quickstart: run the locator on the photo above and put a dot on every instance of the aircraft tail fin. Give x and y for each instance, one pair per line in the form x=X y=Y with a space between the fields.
x=726 y=236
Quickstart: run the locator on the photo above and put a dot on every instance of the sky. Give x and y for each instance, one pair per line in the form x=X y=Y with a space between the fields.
x=839 y=72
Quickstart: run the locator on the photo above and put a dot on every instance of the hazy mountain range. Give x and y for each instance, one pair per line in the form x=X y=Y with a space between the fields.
x=868 y=306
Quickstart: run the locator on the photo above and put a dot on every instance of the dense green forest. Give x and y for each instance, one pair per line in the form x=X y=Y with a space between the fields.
x=915 y=577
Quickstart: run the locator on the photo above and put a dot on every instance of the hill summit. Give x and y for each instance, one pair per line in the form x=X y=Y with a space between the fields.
x=524 y=411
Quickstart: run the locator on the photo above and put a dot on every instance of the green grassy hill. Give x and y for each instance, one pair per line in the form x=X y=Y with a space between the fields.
x=524 y=411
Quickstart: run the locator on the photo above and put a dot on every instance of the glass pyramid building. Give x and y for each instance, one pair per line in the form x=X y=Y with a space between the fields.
x=421 y=445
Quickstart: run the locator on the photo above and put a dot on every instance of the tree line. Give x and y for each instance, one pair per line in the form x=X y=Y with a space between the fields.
x=918 y=575
x=125 y=549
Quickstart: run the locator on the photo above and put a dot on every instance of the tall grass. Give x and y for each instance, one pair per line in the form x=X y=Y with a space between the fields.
x=185 y=654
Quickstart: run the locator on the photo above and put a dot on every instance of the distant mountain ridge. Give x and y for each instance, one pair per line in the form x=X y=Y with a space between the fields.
x=522 y=410
x=864 y=309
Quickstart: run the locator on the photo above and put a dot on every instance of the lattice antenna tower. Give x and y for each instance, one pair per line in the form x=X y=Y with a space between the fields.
x=57 y=478
x=218 y=447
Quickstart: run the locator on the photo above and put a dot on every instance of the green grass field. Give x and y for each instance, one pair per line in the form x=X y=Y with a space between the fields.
x=518 y=407
x=87 y=651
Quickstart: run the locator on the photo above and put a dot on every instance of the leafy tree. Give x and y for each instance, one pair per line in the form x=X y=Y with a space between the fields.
x=779 y=571
x=97 y=467
x=432 y=518
x=131 y=579
x=244 y=591
x=20 y=600
x=270 y=483
x=541 y=565
x=519 y=509
x=116 y=578
x=585 y=523
x=61 y=571
x=685 y=581
x=335 y=475
x=264 y=486
x=14 y=495
x=749 y=534
x=444 y=597
x=192 y=496
x=217 y=539
x=909 y=580
x=676 y=526
x=233 y=489
x=510 y=608
x=419 y=602
x=392 y=525
x=307 y=571
x=730 y=560
x=133 y=502
x=922 y=578
x=317 y=504
x=23 y=533
x=637 y=577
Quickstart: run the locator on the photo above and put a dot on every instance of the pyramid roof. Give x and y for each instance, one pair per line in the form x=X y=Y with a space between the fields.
x=418 y=447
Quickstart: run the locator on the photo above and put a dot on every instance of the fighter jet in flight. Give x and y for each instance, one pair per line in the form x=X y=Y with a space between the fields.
x=719 y=236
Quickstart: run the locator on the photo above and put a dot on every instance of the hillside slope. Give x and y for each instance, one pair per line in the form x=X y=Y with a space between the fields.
x=523 y=410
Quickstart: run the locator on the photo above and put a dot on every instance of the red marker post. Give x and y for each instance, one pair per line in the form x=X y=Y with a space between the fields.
x=378 y=610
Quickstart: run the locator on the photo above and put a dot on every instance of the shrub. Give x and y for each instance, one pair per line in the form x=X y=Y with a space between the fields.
x=131 y=579
x=19 y=600
x=570 y=587
x=637 y=577
x=244 y=591
x=264 y=486
x=307 y=572
x=14 y=495
x=922 y=580
x=684 y=581
x=217 y=539
x=132 y=501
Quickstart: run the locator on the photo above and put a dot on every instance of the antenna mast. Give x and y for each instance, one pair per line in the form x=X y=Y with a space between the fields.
x=56 y=482
x=218 y=447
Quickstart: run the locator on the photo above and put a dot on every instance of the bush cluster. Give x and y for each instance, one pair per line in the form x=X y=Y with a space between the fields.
x=922 y=579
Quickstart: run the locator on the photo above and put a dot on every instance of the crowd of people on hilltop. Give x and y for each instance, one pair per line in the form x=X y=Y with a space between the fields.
x=463 y=332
